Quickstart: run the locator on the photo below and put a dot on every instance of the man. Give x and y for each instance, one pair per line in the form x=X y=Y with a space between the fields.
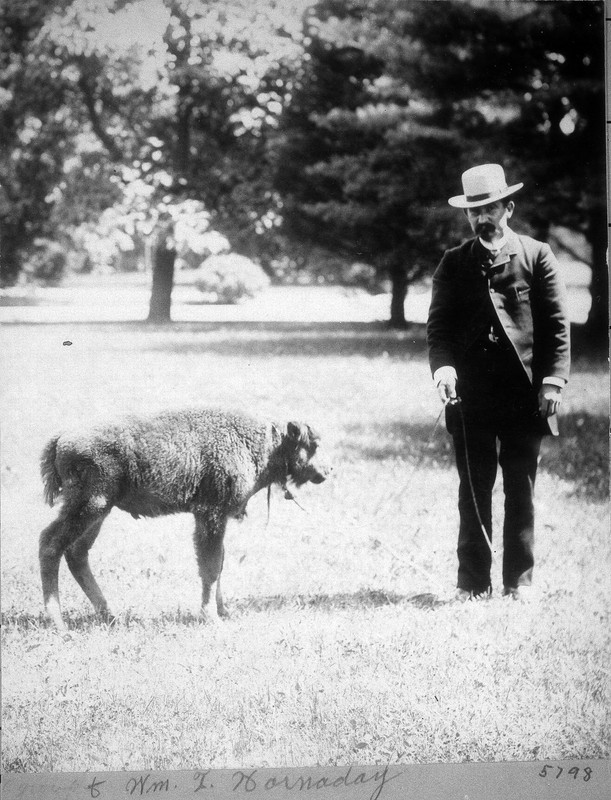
x=498 y=339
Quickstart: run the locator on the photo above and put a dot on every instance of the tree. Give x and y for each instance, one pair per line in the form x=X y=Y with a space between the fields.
x=172 y=89
x=522 y=83
x=164 y=259
x=35 y=134
x=348 y=122
x=399 y=96
x=561 y=134
x=358 y=163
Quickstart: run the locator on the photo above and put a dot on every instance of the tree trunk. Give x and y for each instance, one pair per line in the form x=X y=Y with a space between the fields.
x=398 y=276
x=10 y=255
x=596 y=328
x=10 y=265
x=164 y=257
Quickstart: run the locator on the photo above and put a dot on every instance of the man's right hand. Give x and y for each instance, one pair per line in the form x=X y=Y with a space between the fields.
x=445 y=381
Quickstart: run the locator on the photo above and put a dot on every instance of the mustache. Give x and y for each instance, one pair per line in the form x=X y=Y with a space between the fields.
x=483 y=227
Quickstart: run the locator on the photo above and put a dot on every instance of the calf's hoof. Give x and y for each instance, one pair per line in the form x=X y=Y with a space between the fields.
x=53 y=616
x=209 y=616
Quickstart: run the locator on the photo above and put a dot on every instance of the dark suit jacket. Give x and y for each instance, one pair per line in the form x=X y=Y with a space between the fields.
x=522 y=293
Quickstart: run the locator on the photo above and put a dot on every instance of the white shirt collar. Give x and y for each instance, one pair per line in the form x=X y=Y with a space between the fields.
x=498 y=245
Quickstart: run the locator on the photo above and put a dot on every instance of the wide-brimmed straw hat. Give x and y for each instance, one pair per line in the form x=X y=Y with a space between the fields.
x=482 y=185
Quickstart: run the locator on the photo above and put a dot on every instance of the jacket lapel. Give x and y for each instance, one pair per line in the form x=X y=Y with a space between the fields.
x=490 y=266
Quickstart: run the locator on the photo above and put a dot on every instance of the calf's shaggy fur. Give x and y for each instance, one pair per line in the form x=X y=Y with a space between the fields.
x=203 y=461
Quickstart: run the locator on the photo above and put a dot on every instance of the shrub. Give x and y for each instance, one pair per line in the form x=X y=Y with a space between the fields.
x=46 y=262
x=192 y=248
x=360 y=274
x=319 y=267
x=230 y=278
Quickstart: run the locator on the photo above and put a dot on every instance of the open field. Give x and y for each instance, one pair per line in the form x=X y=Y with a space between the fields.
x=341 y=647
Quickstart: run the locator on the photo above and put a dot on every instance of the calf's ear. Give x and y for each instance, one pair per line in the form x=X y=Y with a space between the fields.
x=296 y=431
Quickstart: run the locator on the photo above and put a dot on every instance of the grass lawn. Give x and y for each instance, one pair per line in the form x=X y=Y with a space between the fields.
x=341 y=647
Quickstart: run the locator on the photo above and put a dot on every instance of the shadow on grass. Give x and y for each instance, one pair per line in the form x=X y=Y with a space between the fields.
x=580 y=455
x=265 y=339
x=17 y=301
x=363 y=599
x=426 y=444
x=292 y=339
x=289 y=338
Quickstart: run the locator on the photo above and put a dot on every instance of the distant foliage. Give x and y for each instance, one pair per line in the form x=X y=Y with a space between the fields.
x=230 y=278
x=46 y=262
x=120 y=238
x=324 y=268
x=194 y=240
x=358 y=274
x=192 y=250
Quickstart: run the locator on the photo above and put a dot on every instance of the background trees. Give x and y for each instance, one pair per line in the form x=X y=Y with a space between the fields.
x=398 y=97
x=359 y=167
x=522 y=82
x=363 y=160
x=171 y=93
x=35 y=131
x=342 y=126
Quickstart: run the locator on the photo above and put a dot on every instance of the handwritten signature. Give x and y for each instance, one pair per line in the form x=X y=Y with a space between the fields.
x=250 y=781
x=247 y=781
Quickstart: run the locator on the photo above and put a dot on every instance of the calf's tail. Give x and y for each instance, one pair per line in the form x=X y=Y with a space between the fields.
x=50 y=476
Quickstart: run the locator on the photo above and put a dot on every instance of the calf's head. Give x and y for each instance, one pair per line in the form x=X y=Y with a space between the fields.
x=304 y=460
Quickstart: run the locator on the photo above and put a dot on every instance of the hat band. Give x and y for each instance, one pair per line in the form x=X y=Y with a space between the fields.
x=473 y=198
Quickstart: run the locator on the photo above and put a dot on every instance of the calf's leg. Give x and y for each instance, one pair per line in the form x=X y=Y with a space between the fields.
x=55 y=539
x=77 y=558
x=51 y=547
x=210 y=551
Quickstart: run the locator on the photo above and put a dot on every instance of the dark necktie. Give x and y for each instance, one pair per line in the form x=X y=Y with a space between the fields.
x=494 y=263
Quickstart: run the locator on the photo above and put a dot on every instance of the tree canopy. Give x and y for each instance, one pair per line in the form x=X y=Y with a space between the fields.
x=416 y=92
x=344 y=123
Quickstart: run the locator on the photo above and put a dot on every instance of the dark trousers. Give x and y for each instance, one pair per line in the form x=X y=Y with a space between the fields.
x=500 y=418
x=517 y=455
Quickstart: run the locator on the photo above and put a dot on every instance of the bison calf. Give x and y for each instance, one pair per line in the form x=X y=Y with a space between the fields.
x=203 y=461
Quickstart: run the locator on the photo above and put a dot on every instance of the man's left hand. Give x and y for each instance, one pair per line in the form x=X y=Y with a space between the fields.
x=550 y=397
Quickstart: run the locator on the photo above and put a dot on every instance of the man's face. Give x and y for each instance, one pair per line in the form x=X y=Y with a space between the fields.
x=490 y=222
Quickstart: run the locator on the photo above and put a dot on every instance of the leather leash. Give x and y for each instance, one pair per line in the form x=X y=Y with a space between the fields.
x=454 y=402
